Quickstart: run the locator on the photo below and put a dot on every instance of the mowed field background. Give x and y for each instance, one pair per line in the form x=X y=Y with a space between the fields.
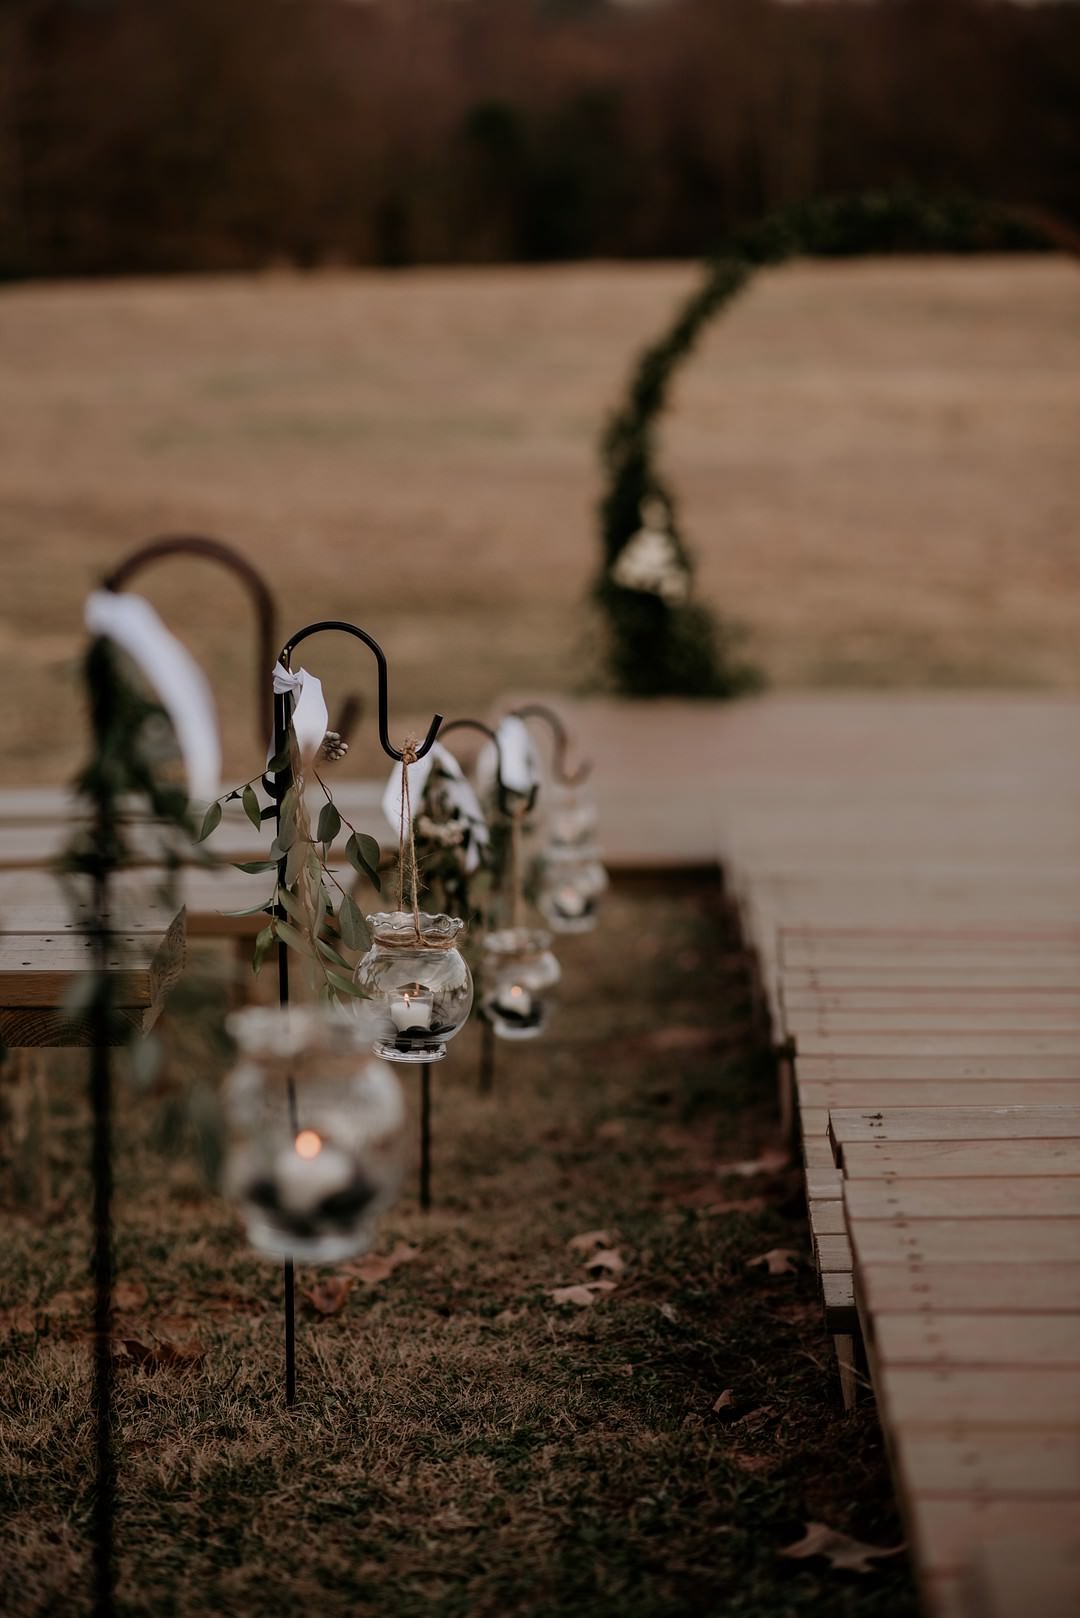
x=877 y=464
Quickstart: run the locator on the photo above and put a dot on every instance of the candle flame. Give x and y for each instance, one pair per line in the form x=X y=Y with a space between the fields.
x=516 y=991
x=308 y=1143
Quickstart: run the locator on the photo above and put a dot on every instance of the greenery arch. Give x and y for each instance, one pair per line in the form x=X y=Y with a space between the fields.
x=660 y=641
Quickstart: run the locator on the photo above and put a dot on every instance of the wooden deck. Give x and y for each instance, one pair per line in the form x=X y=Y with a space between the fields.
x=908 y=870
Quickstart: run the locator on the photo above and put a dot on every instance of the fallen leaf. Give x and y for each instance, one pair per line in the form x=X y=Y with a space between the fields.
x=749 y=1463
x=602 y=1286
x=129 y=1295
x=376 y=1267
x=580 y=1295
x=614 y=1129
x=328 y=1297
x=668 y=1312
x=770 y=1162
x=756 y=1418
x=724 y=1402
x=608 y=1261
x=840 y=1550
x=590 y=1240
x=163 y=1355
x=779 y=1260
x=506 y=1317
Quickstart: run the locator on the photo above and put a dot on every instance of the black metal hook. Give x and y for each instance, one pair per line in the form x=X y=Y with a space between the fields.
x=380 y=658
x=565 y=777
x=216 y=550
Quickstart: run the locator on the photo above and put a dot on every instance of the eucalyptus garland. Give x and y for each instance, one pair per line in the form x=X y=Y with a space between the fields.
x=661 y=642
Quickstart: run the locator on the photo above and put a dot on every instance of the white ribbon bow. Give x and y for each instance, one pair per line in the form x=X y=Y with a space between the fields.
x=179 y=682
x=309 y=716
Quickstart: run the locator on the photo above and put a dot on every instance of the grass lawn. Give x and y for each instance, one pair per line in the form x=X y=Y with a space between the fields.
x=463 y=1443
x=876 y=463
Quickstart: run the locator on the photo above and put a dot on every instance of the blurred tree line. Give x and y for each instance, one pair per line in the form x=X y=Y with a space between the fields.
x=159 y=135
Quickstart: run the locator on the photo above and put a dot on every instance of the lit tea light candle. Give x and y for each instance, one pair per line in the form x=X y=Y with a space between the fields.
x=412 y=1008
x=514 y=1000
x=309 y=1171
x=570 y=902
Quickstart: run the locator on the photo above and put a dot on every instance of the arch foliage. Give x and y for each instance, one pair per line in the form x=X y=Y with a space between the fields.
x=662 y=642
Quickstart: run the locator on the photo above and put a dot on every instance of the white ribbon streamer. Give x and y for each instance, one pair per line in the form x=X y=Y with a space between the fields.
x=179 y=682
x=310 y=717
x=459 y=792
x=515 y=758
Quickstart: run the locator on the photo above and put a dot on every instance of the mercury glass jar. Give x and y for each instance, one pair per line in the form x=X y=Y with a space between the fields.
x=569 y=884
x=519 y=975
x=418 y=984
x=315 y=1128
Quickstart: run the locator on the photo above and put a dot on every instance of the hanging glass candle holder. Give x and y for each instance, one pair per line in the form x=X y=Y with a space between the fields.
x=572 y=818
x=568 y=888
x=314 y=1132
x=418 y=983
x=519 y=974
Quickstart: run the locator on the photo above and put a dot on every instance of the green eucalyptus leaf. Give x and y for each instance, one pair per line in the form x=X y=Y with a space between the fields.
x=291 y=904
x=252 y=868
x=294 y=939
x=211 y=819
x=329 y=824
x=296 y=861
x=354 y=929
x=252 y=910
x=370 y=851
x=333 y=955
x=280 y=762
x=251 y=807
x=345 y=985
x=354 y=853
x=263 y=941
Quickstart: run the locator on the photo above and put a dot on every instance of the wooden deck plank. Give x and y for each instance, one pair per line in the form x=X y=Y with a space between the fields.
x=970 y=1289
x=836 y=1094
x=947 y=1532
x=916 y=1395
x=1030 y=1196
x=955 y=1123
x=971 y=1241
x=979 y=1461
x=990 y=1339
x=925 y=1159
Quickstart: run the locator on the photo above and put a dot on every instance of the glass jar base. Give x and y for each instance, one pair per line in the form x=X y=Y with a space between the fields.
x=390 y=1052
x=273 y=1242
x=571 y=924
x=506 y=1030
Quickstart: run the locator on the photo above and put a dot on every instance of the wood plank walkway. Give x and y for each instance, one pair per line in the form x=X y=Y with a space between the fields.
x=908 y=870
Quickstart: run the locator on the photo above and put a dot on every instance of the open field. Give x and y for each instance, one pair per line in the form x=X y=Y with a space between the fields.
x=464 y=1444
x=877 y=461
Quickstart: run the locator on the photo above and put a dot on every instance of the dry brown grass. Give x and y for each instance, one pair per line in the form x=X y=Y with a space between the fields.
x=463 y=1445
x=878 y=464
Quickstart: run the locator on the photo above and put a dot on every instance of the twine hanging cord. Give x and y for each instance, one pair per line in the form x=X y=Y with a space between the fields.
x=407 y=840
